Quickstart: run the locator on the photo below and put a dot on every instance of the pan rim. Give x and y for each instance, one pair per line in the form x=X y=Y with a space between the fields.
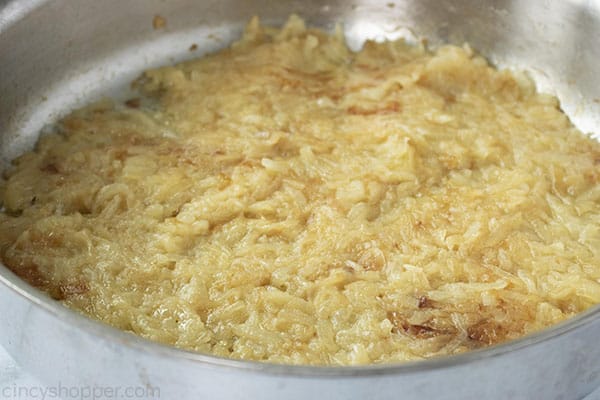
x=11 y=11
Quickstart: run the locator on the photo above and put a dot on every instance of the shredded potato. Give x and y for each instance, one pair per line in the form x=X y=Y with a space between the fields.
x=292 y=201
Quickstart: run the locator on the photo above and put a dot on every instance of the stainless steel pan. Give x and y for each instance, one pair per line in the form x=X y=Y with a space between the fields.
x=55 y=55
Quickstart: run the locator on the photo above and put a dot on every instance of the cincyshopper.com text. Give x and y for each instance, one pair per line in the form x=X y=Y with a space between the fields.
x=63 y=392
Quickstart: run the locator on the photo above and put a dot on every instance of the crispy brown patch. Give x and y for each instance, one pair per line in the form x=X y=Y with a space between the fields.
x=315 y=82
x=449 y=98
x=133 y=103
x=248 y=162
x=135 y=140
x=487 y=332
x=120 y=154
x=425 y=302
x=391 y=107
x=401 y=325
x=366 y=67
x=29 y=272
x=72 y=289
x=372 y=266
x=397 y=320
x=46 y=239
x=591 y=175
x=72 y=123
x=318 y=76
x=291 y=83
x=159 y=22
x=421 y=331
x=50 y=168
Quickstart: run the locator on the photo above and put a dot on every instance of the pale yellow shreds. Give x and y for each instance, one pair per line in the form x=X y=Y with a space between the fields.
x=292 y=201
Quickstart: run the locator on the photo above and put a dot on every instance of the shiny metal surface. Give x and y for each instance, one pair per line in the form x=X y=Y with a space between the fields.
x=55 y=55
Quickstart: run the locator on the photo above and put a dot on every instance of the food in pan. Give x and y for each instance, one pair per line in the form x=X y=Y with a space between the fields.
x=292 y=201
